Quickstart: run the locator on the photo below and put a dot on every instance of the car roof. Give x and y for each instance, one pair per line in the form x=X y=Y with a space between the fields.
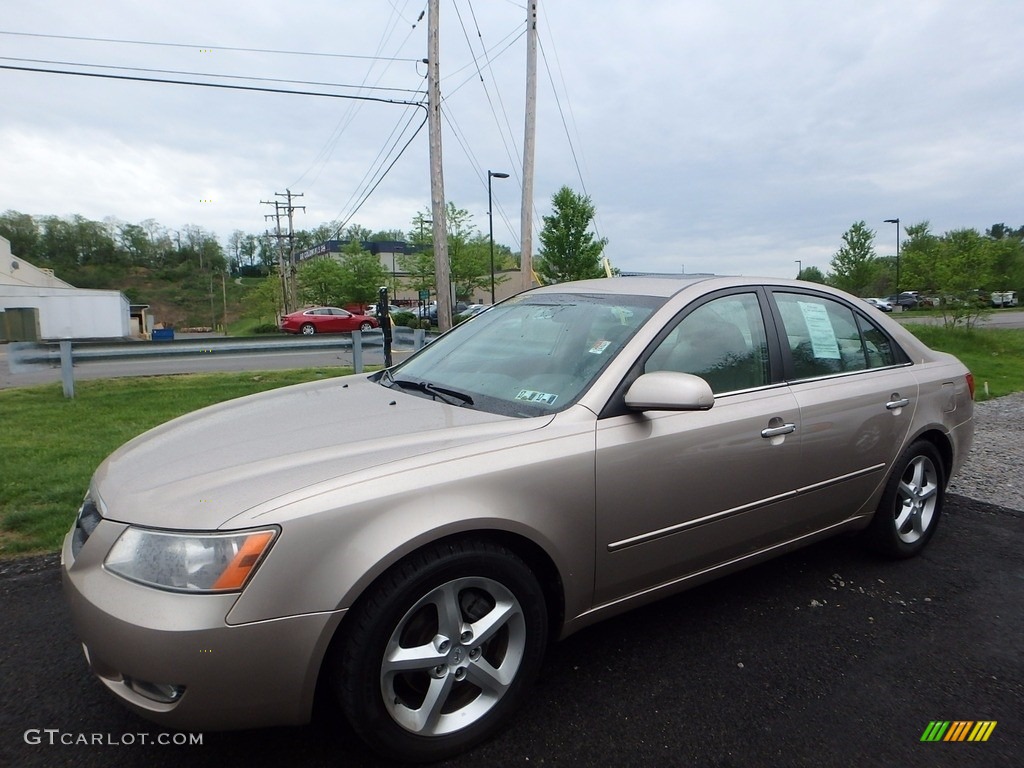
x=668 y=286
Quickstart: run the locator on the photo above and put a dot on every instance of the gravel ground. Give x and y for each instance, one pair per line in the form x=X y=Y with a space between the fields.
x=994 y=471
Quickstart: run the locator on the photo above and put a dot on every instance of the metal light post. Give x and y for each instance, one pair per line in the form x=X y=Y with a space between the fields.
x=799 y=268
x=490 y=220
x=897 y=223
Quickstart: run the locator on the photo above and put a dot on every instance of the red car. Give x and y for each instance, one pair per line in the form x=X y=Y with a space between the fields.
x=326 y=320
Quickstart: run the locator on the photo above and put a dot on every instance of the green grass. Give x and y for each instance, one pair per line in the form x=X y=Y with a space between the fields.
x=994 y=355
x=50 y=446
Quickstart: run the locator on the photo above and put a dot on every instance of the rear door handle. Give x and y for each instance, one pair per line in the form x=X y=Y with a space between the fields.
x=903 y=402
x=784 y=429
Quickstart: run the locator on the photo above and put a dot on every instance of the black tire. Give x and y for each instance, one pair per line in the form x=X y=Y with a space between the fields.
x=308 y=329
x=911 y=505
x=366 y=326
x=385 y=701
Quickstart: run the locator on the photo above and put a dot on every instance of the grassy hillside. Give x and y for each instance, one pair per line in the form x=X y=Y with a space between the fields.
x=181 y=296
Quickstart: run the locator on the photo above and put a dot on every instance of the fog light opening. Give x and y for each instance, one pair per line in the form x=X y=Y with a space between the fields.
x=164 y=693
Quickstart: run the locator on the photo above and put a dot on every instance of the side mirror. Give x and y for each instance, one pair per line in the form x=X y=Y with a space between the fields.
x=669 y=391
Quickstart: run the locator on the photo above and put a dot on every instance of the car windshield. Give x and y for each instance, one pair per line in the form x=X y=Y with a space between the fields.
x=530 y=355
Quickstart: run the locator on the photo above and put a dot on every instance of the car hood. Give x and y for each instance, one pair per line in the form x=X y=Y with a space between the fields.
x=200 y=470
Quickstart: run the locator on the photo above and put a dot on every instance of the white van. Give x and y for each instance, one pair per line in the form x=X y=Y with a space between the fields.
x=1004 y=299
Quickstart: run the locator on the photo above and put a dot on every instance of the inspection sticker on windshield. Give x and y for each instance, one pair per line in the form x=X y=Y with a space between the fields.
x=536 y=397
x=600 y=347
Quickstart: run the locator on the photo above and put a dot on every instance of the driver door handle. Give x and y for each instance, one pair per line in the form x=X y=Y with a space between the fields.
x=783 y=429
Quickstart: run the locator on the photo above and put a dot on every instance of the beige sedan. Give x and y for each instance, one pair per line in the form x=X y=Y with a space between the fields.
x=414 y=538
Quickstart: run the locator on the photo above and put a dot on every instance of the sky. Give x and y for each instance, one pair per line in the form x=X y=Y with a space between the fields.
x=720 y=136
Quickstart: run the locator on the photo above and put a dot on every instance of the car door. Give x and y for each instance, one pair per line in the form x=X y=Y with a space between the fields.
x=856 y=395
x=678 y=492
x=340 y=320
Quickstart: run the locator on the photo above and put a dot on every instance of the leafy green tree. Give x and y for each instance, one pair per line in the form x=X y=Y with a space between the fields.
x=568 y=249
x=422 y=231
x=357 y=233
x=419 y=268
x=265 y=302
x=854 y=266
x=386 y=235
x=22 y=232
x=812 y=275
x=1007 y=260
x=321 y=282
x=362 y=274
x=952 y=268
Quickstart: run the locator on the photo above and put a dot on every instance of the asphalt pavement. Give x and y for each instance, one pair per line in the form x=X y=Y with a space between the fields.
x=825 y=657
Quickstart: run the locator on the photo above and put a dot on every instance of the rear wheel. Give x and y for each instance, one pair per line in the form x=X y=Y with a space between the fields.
x=308 y=329
x=909 y=511
x=441 y=651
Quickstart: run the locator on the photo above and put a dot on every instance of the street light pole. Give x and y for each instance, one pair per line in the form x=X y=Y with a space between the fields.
x=490 y=220
x=897 y=223
x=799 y=268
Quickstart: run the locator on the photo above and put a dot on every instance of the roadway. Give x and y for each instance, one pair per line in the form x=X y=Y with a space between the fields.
x=175 y=365
x=825 y=657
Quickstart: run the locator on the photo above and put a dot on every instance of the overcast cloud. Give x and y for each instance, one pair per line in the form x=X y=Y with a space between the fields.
x=714 y=136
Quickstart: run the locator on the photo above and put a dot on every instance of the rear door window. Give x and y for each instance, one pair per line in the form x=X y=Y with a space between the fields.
x=826 y=337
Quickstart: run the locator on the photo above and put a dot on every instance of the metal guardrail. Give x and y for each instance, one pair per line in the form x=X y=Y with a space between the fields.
x=24 y=357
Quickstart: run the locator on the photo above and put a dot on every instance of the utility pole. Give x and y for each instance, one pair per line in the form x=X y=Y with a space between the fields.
x=282 y=272
x=529 y=136
x=442 y=268
x=285 y=263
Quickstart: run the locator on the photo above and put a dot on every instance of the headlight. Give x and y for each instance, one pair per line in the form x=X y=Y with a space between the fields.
x=189 y=562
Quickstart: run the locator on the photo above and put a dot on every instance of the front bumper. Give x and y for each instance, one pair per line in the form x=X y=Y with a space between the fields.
x=233 y=676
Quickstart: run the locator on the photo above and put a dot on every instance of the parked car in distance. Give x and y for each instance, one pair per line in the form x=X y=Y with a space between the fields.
x=471 y=310
x=392 y=309
x=1004 y=299
x=906 y=299
x=457 y=307
x=412 y=539
x=883 y=304
x=326 y=320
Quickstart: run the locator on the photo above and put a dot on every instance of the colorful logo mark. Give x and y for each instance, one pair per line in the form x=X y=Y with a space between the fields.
x=958 y=730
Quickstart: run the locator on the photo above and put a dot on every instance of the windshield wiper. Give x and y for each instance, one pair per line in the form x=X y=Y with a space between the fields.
x=450 y=396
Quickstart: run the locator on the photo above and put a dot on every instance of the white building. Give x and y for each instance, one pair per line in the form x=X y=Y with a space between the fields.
x=65 y=312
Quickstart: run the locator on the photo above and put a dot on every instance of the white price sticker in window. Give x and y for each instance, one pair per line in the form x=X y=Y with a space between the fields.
x=823 y=335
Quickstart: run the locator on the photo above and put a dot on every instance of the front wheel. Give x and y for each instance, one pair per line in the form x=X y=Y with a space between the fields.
x=909 y=511
x=441 y=651
x=366 y=326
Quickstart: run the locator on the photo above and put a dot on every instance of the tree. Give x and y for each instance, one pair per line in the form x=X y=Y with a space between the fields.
x=569 y=250
x=321 y=282
x=357 y=233
x=812 y=275
x=264 y=302
x=23 y=233
x=855 y=265
x=422 y=232
x=952 y=267
x=362 y=274
x=386 y=235
x=419 y=268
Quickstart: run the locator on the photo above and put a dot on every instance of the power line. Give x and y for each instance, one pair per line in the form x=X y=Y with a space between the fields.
x=387 y=170
x=324 y=154
x=207 y=74
x=204 y=47
x=226 y=86
x=565 y=126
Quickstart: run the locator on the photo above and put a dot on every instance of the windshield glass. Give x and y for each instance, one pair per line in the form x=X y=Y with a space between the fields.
x=530 y=355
